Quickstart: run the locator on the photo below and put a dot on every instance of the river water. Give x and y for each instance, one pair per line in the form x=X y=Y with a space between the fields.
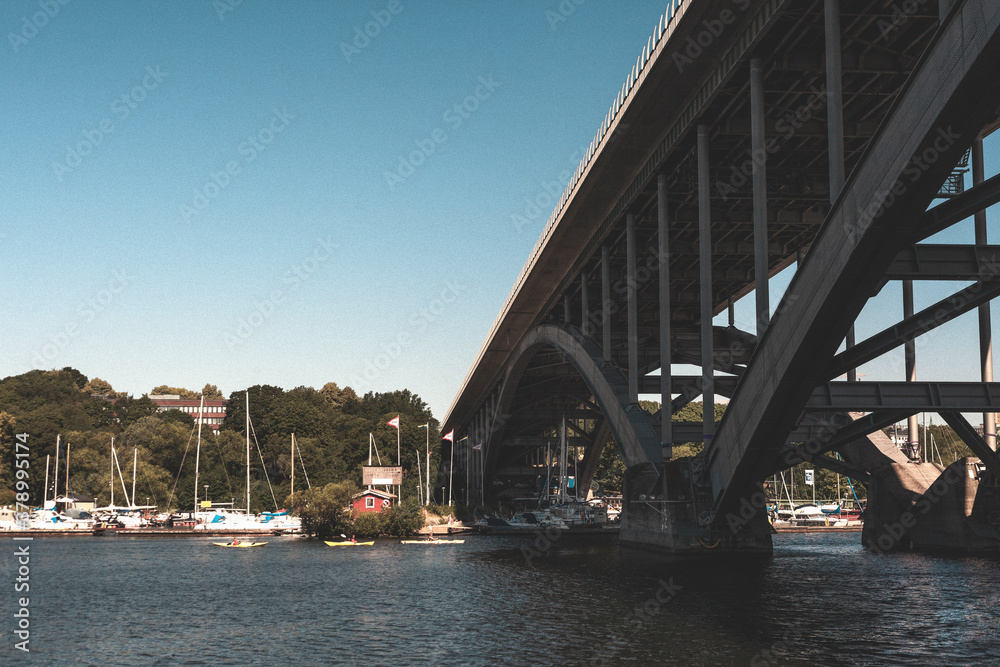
x=820 y=599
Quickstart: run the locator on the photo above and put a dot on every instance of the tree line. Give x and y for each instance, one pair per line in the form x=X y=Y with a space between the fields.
x=331 y=427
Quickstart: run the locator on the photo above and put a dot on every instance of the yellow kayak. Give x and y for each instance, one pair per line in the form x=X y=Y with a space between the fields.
x=240 y=545
x=349 y=544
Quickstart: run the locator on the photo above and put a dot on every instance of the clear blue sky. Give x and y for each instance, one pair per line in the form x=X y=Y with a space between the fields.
x=104 y=271
x=193 y=195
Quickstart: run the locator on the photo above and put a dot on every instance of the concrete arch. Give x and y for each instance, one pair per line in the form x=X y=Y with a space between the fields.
x=637 y=439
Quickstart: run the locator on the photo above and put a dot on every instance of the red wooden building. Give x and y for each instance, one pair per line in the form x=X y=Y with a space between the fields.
x=372 y=500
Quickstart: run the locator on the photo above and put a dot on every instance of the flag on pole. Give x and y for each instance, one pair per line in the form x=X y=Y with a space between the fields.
x=809 y=477
x=478 y=447
x=394 y=421
x=450 y=437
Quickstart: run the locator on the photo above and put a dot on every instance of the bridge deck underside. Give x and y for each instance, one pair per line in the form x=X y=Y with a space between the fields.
x=656 y=134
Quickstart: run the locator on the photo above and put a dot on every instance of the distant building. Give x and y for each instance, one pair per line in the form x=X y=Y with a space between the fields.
x=211 y=415
x=372 y=500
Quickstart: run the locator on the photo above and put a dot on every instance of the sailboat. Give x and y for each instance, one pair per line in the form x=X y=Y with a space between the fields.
x=220 y=518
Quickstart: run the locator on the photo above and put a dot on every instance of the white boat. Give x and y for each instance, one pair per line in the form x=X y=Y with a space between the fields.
x=8 y=519
x=809 y=515
x=52 y=520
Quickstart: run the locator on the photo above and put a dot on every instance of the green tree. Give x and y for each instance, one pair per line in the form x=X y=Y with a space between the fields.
x=180 y=391
x=324 y=510
x=210 y=391
x=98 y=387
x=610 y=473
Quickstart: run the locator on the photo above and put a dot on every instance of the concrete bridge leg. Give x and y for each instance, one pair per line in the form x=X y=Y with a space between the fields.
x=924 y=506
x=913 y=509
x=664 y=507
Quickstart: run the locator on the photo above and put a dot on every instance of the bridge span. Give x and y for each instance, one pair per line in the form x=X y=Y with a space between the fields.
x=750 y=136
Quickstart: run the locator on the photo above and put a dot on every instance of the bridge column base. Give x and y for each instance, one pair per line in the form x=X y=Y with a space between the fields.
x=663 y=510
x=919 y=507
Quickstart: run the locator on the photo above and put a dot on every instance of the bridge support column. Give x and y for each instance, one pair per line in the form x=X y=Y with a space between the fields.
x=606 y=303
x=666 y=388
x=985 y=324
x=835 y=118
x=661 y=508
x=584 y=304
x=633 y=312
x=759 y=161
x=910 y=355
x=705 y=280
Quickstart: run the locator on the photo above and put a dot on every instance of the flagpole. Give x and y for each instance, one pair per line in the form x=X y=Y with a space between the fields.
x=428 y=494
x=394 y=422
x=399 y=461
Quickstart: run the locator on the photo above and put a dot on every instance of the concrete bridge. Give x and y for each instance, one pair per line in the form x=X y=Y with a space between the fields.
x=752 y=135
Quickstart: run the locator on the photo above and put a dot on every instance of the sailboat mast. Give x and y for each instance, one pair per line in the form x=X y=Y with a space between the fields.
x=112 y=505
x=55 y=478
x=247 y=396
x=135 y=462
x=67 y=470
x=197 y=459
x=45 y=495
x=293 y=463
x=121 y=477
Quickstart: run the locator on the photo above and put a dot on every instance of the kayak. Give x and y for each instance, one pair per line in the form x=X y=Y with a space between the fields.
x=432 y=542
x=240 y=545
x=349 y=544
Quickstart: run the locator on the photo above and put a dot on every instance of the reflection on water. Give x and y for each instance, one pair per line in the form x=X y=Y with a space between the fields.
x=819 y=599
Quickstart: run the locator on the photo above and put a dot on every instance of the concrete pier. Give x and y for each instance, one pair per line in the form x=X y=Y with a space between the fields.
x=665 y=510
